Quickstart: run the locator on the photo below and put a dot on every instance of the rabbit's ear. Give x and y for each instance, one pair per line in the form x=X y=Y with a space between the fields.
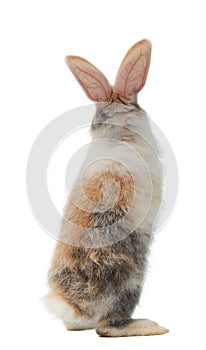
x=93 y=82
x=133 y=71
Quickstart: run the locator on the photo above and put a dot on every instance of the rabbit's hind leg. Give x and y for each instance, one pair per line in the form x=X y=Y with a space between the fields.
x=68 y=313
x=117 y=322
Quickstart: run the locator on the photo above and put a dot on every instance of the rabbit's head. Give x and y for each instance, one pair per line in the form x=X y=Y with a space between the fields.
x=122 y=97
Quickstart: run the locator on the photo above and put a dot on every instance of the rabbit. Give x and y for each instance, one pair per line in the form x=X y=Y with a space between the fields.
x=96 y=276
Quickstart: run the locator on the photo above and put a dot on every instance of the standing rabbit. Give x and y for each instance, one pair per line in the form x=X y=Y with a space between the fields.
x=100 y=260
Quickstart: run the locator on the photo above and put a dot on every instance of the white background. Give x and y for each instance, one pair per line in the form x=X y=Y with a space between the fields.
x=36 y=86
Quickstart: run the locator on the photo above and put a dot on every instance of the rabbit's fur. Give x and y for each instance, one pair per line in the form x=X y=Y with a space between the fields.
x=96 y=275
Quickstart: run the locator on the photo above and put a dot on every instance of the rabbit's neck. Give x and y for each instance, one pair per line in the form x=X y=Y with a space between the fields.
x=127 y=127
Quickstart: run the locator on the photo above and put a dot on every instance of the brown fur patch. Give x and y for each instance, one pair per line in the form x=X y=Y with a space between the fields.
x=93 y=189
x=76 y=215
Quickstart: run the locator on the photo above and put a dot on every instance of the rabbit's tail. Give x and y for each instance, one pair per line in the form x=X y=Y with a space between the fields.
x=70 y=314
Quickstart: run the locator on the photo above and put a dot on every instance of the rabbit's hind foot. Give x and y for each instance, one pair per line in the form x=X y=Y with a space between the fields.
x=129 y=327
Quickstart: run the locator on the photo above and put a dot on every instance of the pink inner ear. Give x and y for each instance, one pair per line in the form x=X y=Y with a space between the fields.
x=133 y=71
x=93 y=82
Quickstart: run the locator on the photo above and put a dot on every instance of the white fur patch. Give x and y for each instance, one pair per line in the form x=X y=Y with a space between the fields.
x=65 y=312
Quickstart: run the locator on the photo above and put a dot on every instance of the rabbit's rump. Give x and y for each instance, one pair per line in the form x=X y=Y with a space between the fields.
x=96 y=282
